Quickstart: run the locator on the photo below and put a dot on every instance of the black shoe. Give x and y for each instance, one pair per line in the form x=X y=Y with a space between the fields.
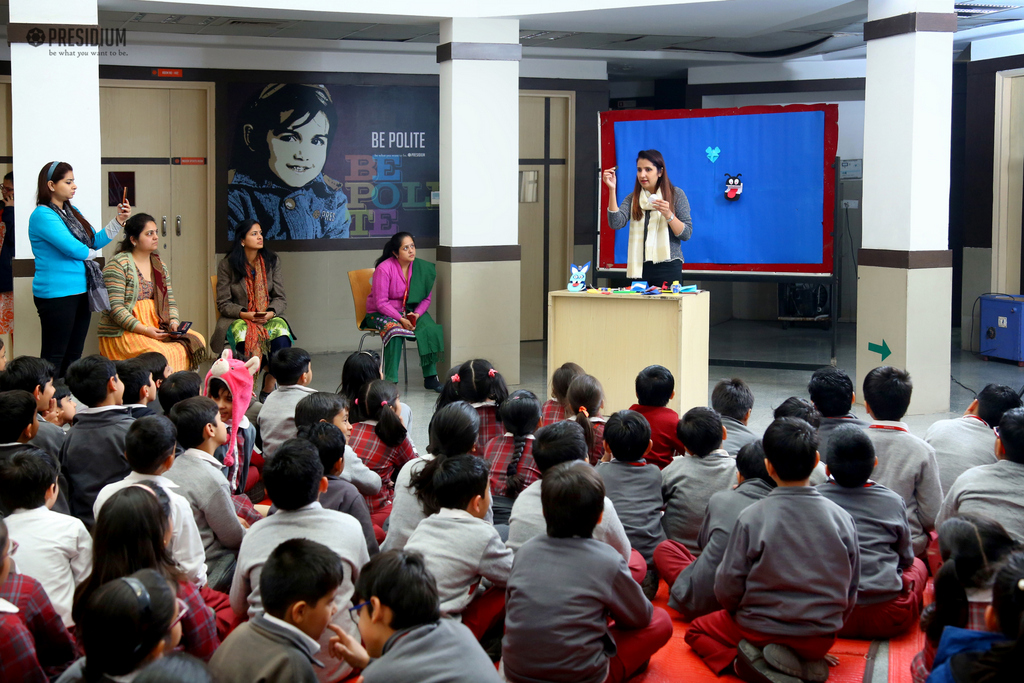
x=750 y=666
x=431 y=384
x=650 y=584
x=786 y=660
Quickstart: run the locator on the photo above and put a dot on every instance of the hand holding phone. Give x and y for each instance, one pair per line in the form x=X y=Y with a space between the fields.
x=182 y=329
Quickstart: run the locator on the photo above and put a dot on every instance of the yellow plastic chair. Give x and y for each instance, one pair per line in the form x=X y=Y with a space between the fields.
x=359 y=282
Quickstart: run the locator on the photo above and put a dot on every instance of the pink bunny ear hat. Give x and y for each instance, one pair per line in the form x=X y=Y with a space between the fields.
x=239 y=378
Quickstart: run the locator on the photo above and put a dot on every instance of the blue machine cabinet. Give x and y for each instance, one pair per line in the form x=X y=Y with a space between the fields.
x=1002 y=327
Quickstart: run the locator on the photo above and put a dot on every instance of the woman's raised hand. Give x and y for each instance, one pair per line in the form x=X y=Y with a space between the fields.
x=124 y=212
x=609 y=178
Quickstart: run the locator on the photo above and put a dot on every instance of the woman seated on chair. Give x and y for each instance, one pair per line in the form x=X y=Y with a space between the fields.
x=397 y=306
x=251 y=301
x=143 y=315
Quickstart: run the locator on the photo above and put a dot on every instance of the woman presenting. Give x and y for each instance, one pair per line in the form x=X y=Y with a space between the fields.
x=658 y=216
x=68 y=284
x=143 y=315
x=397 y=306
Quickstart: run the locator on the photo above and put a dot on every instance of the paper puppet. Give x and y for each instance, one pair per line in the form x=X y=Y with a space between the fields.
x=733 y=187
x=578 y=278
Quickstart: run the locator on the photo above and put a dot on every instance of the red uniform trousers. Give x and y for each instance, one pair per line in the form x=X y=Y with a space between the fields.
x=486 y=609
x=670 y=559
x=378 y=518
x=891 y=618
x=220 y=604
x=637 y=566
x=637 y=645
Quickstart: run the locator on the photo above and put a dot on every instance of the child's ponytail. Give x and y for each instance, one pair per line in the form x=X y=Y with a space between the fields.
x=584 y=398
x=474 y=381
x=379 y=399
x=520 y=414
x=453 y=430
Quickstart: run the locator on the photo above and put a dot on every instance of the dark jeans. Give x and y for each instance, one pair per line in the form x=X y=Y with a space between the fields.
x=64 y=323
x=665 y=272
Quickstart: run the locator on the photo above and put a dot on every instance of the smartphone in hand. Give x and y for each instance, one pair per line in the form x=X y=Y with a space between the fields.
x=182 y=329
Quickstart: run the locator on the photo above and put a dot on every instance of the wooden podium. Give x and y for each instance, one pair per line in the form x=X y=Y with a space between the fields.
x=615 y=336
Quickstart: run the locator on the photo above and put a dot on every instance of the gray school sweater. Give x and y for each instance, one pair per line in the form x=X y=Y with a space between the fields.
x=277 y=417
x=792 y=566
x=527 y=521
x=203 y=485
x=260 y=650
x=50 y=438
x=559 y=596
x=92 y=456
x=737 y=435
x=995 y=491
x=459 y=550
x=829 y=424
x=883 y=535
x=688 y=483
x=693 y=593
x=444 y=651
x=960 y=444
x=635 y=490
x=906 y=465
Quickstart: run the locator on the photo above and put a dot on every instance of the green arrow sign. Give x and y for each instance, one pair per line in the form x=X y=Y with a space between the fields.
x=883 y=349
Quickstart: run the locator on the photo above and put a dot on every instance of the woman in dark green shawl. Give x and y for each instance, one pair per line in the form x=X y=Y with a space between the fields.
x=397 y=306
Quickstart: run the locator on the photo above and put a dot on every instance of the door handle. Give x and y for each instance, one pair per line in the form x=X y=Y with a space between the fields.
x=163 y=227
x=177 y=227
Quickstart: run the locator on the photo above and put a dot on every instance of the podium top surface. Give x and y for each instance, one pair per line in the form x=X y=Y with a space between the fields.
x=593 y=294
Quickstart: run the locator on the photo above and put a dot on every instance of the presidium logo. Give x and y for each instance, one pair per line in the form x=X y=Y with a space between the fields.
x=67 y=35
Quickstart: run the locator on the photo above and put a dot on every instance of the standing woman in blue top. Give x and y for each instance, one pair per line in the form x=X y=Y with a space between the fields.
x=68 y=284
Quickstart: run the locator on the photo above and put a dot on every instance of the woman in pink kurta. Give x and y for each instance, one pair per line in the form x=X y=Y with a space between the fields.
x=397 y=306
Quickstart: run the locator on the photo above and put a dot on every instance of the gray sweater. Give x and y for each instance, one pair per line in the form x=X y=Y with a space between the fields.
x=527 y=521
x=792 y=566
x=444 y=651
x=635 y=489
x=260 y=650
x=883 y=535
x=620 y=219
x=960 y=444
x=277 y=417
x=459 y=550
x=906 y=465
x=994 y=491
x=559 y=596
x=687 y=485
x=92 y=456
x=828 y=425
x=204 y=487
x=737 y=435
x=50 y=438
x=693 y=593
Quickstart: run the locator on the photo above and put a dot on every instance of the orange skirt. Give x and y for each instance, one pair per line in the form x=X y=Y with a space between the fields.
x=130 y=344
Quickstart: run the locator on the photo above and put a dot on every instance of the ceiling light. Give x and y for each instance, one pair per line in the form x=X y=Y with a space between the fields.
x=976 y=9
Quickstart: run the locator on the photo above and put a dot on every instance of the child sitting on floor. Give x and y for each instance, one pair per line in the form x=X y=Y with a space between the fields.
x=733 y=401
x=655 y=387
x=483 y=387
x=789 y=576
x=293 y=370
x=157 y=364
x=322 y=406
x=176 y=388
x=511 y=455
x=794 y=406
x=229 y=383
x=563 y=585
x=459 y=547
x=139 y=387
x=65 y=406
x=831 y=392
x=892 y=580
x=585 y=399
x=36 y=376
x=554 y=409
x=19 y=423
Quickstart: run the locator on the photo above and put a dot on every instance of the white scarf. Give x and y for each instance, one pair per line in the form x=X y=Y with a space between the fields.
x=656 y=247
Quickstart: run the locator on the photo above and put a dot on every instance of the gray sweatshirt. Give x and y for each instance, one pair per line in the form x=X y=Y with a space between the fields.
x=50 y=438
x=693 y=593
x=201 y=482
x=994 y=491
x=829 y=424
x=459 y=550
x=620 y=219
x=883 y=535
x=688 y=483
x=792 y=566
x=906 y=465
x=92 y=456
x=737 y=435
x=261 y=650
x=635 y=490
x=960 y=444
x=277 y=417
x=559 y=596
x=444 y=651
x=527 y=521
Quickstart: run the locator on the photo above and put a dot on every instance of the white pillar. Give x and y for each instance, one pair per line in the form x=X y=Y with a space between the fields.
x=905 y=266
x=478 y=253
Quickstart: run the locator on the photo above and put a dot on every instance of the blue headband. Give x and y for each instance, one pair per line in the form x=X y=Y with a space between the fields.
x=53 y=167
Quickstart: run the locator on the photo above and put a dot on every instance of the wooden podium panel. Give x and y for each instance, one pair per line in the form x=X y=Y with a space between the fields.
x=615 y=336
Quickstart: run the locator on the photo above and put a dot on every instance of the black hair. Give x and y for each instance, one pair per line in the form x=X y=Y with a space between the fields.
x=794 y=406
x=17 y=411
x=4 y=537
x=1004 y=660
x=453 y=430
x=120 y=624
x=190 y=418
x=287 y=365
x=392 y=246
x=654 y=386
x=627 y=433
x=585 y=393
x=572 y=495
x=732 y=398
x=1011 y=434
x=9 y=176
x=177 y=667
x=851 y=456
x=298 y=570
x=88 y=378
x=562 y=378
x=791 y=446
x=216 y=387
x=750 y=463
x=321 y=405
x=700 y=430
x=377 y=400
x=994 y=400
x=135 y=375
x=60 y=391
x=25 y=477
x=133 y=227
x=328 y=440
x=400 y=579
x=359 y=369
x=557 y=443
x=519 y=414
x=477 y=381
x=831 y=390
x=179 y=386
x=887 y=390
x=236 y=257
x=149 y=442
x=293 y=475
x=457 y=481
x=27 y=373
x=972 y=548
x=156 y=362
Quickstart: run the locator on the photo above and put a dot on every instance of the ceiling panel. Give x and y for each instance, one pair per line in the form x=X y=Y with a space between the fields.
x=392 y=32
x=326 y=30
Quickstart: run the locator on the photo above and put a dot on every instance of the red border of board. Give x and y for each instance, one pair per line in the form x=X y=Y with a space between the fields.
x=606 y=247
